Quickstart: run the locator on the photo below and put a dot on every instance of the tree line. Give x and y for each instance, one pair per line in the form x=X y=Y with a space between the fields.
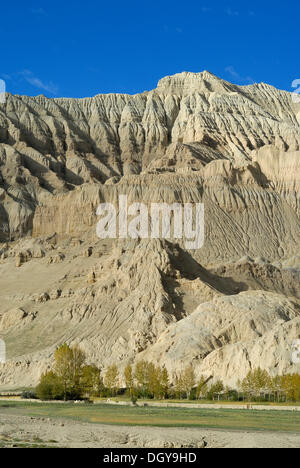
x=72 y=379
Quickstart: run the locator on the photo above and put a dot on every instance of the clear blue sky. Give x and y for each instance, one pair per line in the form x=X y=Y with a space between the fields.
x=77 y=49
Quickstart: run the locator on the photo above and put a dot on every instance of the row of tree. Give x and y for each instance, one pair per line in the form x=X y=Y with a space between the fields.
x=258 y=384
x=72 y=379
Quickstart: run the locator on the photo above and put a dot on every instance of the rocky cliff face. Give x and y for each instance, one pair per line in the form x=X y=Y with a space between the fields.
x=195 y=138
x=50 y=147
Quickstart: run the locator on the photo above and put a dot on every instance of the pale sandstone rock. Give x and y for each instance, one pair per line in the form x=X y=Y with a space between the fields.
x=56 y=258
x=11 y=318
x=230 y=335
x=195 y=138
x=49 y=146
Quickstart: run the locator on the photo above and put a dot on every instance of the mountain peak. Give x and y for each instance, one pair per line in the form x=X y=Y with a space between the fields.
x=186 y=82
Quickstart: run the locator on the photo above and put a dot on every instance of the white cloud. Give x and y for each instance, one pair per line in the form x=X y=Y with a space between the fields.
x=231 y=12
x=5 y=76
x=234 y=74
x=38 y=83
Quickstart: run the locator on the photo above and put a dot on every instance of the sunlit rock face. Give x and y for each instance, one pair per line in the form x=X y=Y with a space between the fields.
x=228 y=306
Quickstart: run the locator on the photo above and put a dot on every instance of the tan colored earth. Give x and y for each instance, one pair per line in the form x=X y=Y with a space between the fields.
x=226 y=308
x=72 y=434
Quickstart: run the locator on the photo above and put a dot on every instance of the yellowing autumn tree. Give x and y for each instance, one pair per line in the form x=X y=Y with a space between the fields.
x=185 y=382
x=189 y=380
x=91 y=380
x=67 y=366
x=290 y=384
x=164 y=379
x=129 y=381
x=63 y=367
x=256 y=382
x=179 y=386
x=111 y=379
x=141 y=375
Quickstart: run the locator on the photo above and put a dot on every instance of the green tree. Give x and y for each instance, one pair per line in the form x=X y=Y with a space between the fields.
x=50 y=387
x=153 y=384
x=201 y=388
x=70 y=377
x=291 y=386
x=164 y=379
x=63 y=367
x=111 y=379
x=189 y=380
x=77 y=363
x=129 y=381
x=179 y=386
x=67 y=366
x=141 y=375
x=261 y=380
x=215 y=390
x=248 y=386
x=256 y=382
x=91 y=380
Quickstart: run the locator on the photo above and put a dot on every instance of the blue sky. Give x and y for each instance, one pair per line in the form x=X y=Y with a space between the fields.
x=80 y=49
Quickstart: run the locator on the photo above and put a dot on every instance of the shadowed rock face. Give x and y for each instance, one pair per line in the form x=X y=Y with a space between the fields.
x=195 y=138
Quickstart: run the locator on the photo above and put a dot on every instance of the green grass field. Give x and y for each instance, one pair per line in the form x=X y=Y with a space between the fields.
x=285 y=421
x=201 y=402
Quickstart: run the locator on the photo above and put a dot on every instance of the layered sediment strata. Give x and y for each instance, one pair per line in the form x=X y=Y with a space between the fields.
x=194 y=139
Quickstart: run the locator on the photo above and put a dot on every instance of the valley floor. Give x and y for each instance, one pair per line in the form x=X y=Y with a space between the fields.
x=105 y=426
x=22 y=431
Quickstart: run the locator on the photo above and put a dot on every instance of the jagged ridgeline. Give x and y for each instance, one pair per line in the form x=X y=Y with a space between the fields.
x=225 y=308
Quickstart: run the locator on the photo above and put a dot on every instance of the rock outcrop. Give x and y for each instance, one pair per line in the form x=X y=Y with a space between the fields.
x=231 y=335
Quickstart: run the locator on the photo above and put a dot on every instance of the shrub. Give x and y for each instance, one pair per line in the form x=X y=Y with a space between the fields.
x=28 y=395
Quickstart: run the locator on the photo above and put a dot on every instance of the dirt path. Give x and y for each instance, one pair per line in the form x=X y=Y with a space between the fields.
x=210 y=406
x=17 y=430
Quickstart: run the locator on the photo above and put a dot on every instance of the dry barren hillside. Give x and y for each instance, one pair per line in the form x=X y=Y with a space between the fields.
x=230 y=306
